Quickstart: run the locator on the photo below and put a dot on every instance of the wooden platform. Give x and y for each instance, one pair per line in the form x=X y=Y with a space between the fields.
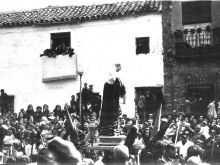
x=97 y=147
x=111 y=140
x=106 y=143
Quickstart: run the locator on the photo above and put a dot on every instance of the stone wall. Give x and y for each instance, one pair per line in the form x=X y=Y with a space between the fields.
x=178 y=75
x=167 y=53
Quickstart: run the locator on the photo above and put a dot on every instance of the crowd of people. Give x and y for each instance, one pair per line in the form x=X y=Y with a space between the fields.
x=60 y=49
x=57 y=136
x=28 y=131
x=181 y=139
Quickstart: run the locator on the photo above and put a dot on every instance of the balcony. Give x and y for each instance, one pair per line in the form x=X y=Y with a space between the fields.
x=60 y=67
x=197 y=41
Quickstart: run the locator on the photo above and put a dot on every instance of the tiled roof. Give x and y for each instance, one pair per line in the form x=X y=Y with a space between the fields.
x=77 y=14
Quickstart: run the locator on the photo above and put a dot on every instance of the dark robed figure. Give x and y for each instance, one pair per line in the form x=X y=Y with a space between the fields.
x=113 y=89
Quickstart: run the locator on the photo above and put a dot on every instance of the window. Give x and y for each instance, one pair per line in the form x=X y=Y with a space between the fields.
x=142 y=45
x=60 y=42
x=196 y=12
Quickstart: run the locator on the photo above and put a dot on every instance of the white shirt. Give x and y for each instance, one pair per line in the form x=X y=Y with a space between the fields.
x=205 y=131
x=183 y=148
x=28 y=148
x=211 y=110
x=9 y=139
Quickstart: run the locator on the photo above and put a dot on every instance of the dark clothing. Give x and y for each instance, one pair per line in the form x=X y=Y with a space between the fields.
x=110 y=107
x=57 y=112
x=4 y=103
x=38 y=115
x=74 y=107
x=141 y=106
x=60 y=50
x=131 y=136
x=84 y=96
x=34 y=138
x=4 y=95
x=97 y=107
x=29 y=113
x=130 y=139
x=63 y=113
x=90 y=97
x=3 y=132
x=19 y=135
x=149 y=104
x=46 y=113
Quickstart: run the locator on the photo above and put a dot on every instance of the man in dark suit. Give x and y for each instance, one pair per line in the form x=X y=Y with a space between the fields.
x=4 y=102
x=74 y=106
x=149 y=102
x=85 y=94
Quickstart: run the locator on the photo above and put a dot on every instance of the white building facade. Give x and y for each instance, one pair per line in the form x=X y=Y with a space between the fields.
x=97 y=44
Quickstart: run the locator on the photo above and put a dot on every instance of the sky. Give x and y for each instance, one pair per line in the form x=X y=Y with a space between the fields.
x=18 y=5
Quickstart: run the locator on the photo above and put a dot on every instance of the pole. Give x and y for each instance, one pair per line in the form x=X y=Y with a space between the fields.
x=177 y=132
x=138 y=157
x=80 y=97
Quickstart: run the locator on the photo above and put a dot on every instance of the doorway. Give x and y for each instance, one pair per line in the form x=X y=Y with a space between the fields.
x=199 y=96
x=148 y=100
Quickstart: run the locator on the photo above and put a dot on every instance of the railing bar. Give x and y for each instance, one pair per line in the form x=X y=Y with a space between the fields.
x=203 y=38
x=206 y=38
x=195 y=41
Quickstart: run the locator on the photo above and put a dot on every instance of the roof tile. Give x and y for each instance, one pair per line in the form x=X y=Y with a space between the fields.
x=75 y=14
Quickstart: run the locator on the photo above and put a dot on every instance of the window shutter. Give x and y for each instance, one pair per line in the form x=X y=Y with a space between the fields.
x=142 y=45
x=196 y=12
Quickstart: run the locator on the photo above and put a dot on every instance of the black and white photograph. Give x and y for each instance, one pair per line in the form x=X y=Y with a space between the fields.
x=110 y=82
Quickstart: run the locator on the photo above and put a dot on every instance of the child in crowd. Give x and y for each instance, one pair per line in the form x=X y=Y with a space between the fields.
x=93 y=124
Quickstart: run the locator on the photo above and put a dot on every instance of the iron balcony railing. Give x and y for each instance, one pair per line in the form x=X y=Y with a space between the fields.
x=197 y=42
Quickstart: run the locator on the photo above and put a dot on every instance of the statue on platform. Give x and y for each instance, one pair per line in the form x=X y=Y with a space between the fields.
x=110 y=111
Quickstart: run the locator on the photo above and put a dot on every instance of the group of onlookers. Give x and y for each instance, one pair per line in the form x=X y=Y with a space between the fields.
x=181 y=139
x=50 y=136
x=60 y=48
x=35 y=134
